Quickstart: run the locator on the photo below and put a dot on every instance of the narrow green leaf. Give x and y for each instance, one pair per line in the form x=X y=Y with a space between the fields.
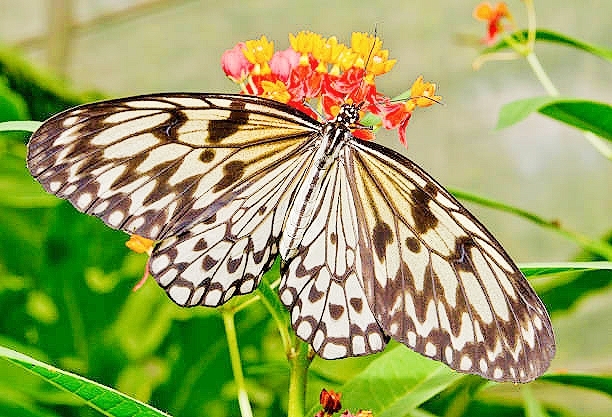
x=396 y=382
x=17 y=188
x=549 y=268
x=104 y=399
x=582 y=114
x=599 y=247
x=533 y=408
x=597 y=383
x=555 y=37
x=28 y=126
x=12 y=105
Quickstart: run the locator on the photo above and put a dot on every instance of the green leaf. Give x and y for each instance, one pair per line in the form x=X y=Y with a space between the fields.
x=104 y=399
x=396 y=382
x=597 y=383
x=28 y=126
x=17 y=188
x=548 y=268
x=555 y=37
x=533 y=408
x=582 y=114
x=12 y=105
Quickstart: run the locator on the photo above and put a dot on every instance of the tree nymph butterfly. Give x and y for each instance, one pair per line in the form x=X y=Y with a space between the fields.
x=372 y=247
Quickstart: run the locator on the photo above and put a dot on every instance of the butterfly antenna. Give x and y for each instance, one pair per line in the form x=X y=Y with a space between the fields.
x=359 y=105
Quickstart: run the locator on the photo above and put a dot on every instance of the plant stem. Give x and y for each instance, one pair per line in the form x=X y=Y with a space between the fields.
x=599 y=144
x=232 y=342
x=279 y=313
x=596 y=246
x=299 y=361
x=540 y=73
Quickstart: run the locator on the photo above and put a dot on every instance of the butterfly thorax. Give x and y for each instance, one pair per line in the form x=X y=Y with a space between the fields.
x=330 y=141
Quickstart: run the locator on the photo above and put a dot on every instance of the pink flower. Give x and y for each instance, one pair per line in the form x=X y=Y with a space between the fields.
x=234 y=63
x=283 y=62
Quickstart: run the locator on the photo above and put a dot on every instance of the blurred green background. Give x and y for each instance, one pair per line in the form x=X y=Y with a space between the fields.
x=65 y=287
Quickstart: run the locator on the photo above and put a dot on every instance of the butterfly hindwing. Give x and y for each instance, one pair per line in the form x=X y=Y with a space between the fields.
x=322 y=285
x=228 y=253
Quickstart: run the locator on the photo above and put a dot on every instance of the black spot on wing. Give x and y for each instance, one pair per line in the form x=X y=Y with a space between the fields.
x=232 y=172
x=382 y=237
x=200 y=245
x=413 y=244
x=357 y=304
x=221 y=129
x=336 y=311
x=207 y=155
x=333 y=238
x=424 y=219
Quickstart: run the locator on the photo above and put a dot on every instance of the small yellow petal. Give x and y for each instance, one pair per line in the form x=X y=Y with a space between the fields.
x=140 y=244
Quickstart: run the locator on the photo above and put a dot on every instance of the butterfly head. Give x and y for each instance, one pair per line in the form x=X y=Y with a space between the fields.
x=348 y=114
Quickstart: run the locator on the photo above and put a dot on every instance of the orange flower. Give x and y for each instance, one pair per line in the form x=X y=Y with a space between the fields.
x=493 y=16
x=140 y=244
x=422 y=94
x=330 y=401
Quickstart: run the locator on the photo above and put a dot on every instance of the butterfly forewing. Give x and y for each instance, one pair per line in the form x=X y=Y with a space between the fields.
x=438 y=281
x=157 y=165
x=386 y=252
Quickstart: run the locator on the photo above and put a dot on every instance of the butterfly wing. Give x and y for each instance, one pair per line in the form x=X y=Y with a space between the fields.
x=322 y=285
x=157 y=165
x=435 y=278
x=210 y=175
x=227 y=254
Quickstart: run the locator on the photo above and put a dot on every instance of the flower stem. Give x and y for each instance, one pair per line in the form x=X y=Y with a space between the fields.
x=541 y=75
x=598 y=247
x=232 y=342
x=299 y=361
x=599 y=144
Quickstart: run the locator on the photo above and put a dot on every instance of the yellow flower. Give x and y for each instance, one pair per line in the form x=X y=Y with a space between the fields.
x=380 y=63
x=305 y=41
x=275 y=91
x=365 y=44
x=346 y=59
x=259 y=52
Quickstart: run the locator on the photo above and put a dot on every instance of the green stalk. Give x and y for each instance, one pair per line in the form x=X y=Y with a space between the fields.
x=299 y=361
x=298 y=353
x=596 y=246
x=541 y=75
x=598 y=143
x=232 y=342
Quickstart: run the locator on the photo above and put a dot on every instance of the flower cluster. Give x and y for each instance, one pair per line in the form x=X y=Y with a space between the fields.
x=324 y=69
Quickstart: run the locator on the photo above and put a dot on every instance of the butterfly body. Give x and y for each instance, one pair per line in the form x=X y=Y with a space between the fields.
x=372 y=246
x=328 y=143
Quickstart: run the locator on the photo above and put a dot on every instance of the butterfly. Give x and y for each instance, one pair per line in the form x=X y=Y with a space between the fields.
x=372 y=247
